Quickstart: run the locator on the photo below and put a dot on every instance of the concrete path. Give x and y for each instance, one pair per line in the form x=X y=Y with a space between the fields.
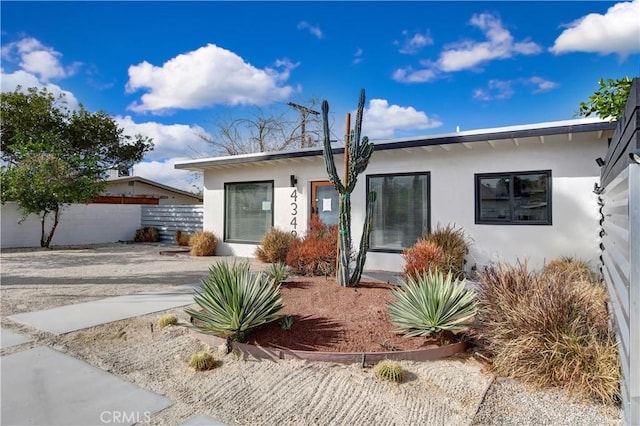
x=9 y=338
x=66 y=319
x=42 y=386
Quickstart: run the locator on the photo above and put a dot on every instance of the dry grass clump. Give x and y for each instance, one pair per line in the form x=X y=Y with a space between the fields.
x=202 y=361
x=424 y=256
x=203 y=243
x=148 y=234
x=167 y=319
x=548 y=329
x=182 y=239
x=274 y=246
x=572 y=269
x=454 y=244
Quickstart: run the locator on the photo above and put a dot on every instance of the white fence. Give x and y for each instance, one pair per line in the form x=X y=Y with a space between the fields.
x=171 y=218
x=79 y=224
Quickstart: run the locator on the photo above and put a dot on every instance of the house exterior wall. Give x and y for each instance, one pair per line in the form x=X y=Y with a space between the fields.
x=452 y=196
x=141 y=188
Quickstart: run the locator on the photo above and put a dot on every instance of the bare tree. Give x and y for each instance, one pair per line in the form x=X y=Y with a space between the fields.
x=267 y=132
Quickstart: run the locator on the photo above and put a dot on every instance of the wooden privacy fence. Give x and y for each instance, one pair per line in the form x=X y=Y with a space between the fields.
x=619 y=198
x=171 y=218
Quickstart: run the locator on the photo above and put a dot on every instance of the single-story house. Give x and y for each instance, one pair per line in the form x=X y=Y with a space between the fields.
x=519 y=192
x=138 y=190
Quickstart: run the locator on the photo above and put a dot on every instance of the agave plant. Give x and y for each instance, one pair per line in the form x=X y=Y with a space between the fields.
x=277 y=272
x=432 y=303
x=233 y=301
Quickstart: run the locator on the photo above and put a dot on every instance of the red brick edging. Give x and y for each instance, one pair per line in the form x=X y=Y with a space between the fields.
x=265 y=352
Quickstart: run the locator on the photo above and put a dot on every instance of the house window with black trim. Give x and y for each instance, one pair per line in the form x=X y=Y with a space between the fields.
x=248 y=211
x=516 y=198
x=401 y=212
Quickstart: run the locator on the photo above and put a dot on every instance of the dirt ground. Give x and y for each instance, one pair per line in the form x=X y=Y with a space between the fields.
x=248 y=391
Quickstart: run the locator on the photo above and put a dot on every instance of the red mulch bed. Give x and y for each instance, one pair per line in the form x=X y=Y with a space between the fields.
x=331 y=318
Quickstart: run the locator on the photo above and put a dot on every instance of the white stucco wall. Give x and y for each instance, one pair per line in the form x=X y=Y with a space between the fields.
x=79 y=224
x=574 y=211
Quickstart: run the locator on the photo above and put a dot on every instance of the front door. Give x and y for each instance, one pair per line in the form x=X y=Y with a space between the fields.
x=324 y=202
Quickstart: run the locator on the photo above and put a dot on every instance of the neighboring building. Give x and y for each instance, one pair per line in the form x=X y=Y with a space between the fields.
x=519 y=192
x=138 y=190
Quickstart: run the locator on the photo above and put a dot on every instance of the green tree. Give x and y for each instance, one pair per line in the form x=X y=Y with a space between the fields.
x=609 y=100
x=53 y=157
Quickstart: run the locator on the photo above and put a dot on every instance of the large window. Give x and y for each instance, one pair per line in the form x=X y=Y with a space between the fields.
x=248 y=211
x=401 y=211
x=518 y=198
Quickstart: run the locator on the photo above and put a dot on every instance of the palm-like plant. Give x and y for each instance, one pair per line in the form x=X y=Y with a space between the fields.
x=432 y=303
x=233 y=301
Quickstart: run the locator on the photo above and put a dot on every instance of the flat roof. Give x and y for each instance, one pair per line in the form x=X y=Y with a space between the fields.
x=510 y=132
x=154 y=183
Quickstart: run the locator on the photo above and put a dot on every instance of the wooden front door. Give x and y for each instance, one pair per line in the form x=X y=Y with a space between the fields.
x=324 y=202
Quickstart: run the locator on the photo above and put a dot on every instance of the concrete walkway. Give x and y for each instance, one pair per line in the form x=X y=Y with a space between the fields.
x=66 y=319
x=8 y=338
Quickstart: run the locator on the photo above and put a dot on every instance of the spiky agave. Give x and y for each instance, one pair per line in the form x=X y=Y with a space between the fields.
x=233 y=301
x=432 y=303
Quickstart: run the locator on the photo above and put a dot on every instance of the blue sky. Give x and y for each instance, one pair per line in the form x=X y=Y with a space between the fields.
x=170 y=70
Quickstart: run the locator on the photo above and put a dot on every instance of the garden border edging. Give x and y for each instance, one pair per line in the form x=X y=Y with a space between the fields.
x=266 y=352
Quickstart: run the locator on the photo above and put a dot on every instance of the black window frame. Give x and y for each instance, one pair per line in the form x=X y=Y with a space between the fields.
x=226 y=238
x=428 y=202
x=511 y=175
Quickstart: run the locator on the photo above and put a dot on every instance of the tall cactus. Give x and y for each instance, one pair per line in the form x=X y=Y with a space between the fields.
x=359 y=154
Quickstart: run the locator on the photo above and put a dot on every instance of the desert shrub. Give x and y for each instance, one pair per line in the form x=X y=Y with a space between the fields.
x=422 y=257
x=315 y=254
x=203 y=243
x=277 y=272
x=286 y=322
x=432 y=303
x=182 y=238
x=148 y=234
x=202 y=361
x=547 y=329
x=274 y=246
x=233 y=301
x=570 y=268
x=168 y=319
x=454 y=244
x=389 y=370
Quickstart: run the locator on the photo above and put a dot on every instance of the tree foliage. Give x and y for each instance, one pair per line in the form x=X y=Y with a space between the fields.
x=609 y=100
x=52 y=157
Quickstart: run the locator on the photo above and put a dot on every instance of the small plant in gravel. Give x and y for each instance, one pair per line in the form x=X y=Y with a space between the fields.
x=182 y=239
x=316 y=253
x=286 y=322
x=202 y=361
x=423 y=256
x=167 y=319
x=203 y=243
x=233 y=301
x=389 y=370
x=432 y=303
x=277 y=272
x=148 y=234
x=274 y=246
x=454 y=244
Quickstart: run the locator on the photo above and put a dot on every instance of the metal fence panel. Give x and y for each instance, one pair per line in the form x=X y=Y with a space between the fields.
x=171 y=218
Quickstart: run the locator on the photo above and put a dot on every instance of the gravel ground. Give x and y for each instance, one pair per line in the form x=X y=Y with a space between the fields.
x=248 y=391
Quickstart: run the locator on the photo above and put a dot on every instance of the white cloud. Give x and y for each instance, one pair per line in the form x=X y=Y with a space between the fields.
x=504 y=89
x=617 y=31
x=169 y=140
x=164 y=172
x=9 y=83
x=413 y=43
x=357 y=57
x=468 y=54
x=315 y=30
x=37 y=59
x=381 y=120
x=499 y=45
x=207 y=76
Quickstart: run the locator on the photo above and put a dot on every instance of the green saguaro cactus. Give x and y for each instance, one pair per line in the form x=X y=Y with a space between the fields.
x=359 y=152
